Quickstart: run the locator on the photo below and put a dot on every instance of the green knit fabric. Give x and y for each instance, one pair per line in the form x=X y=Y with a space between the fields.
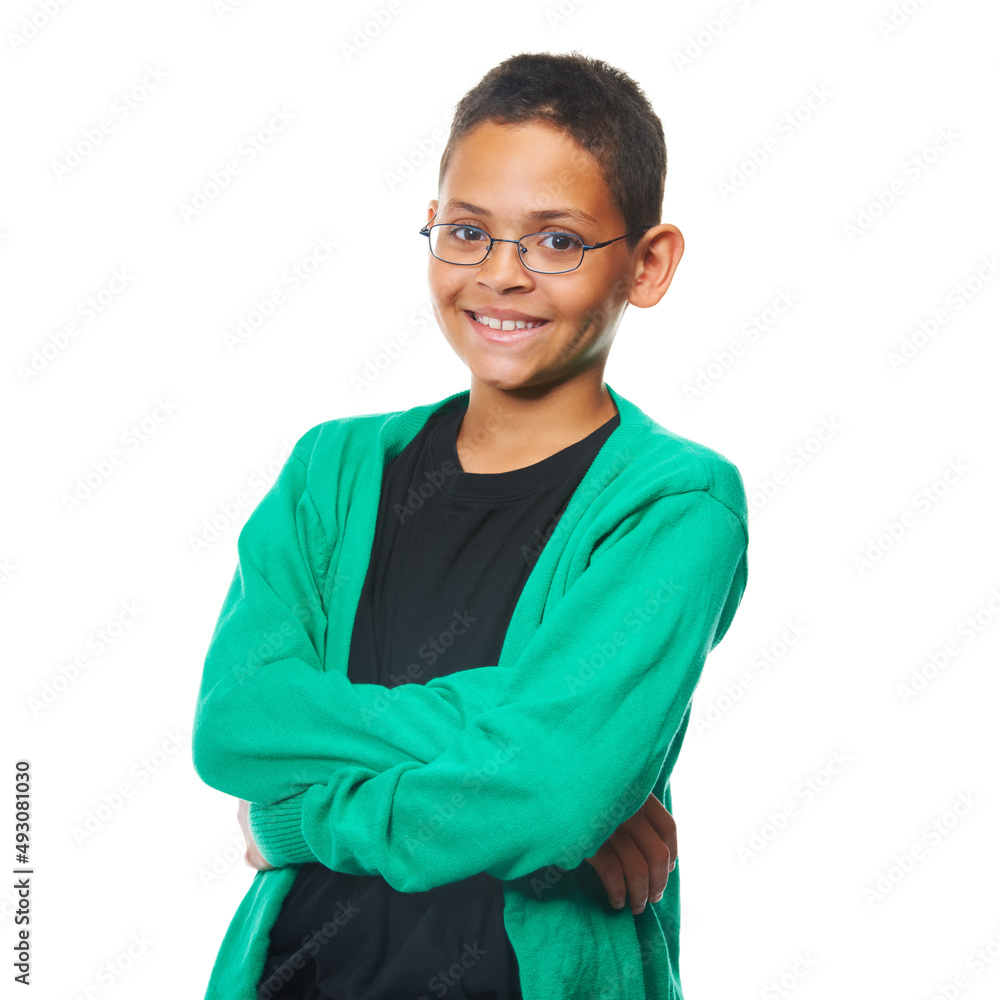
x=520 y=769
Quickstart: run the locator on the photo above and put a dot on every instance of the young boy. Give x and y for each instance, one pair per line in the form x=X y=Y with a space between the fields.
x=458 y=654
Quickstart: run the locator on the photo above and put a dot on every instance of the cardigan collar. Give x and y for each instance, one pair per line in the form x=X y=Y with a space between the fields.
x=401 y=426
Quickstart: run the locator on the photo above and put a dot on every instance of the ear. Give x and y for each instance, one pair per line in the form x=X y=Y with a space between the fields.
x=432 y=210
x=656 y=258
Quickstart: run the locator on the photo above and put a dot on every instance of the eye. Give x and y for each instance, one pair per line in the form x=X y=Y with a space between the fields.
x=560 y=242
x=465 y=234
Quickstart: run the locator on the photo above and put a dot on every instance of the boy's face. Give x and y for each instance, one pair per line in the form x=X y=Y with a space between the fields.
x=510 y=181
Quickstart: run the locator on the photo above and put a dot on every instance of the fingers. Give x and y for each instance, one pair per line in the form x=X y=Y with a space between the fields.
x=647 y=864
x=644 y=860
x=638 y=857
x=252 y=856
x=255 y=860
x=638 y=869
x=635 y=869
x=664 y=825
x=605 y=862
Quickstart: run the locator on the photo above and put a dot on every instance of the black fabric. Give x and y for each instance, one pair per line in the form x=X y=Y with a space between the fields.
x=451 y=553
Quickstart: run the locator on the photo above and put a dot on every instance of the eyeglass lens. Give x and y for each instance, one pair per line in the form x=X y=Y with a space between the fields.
x=546 y=252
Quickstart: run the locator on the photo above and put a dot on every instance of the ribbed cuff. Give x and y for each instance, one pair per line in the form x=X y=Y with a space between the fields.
x=277 y=831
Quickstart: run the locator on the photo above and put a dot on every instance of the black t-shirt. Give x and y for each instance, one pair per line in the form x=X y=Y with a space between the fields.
x=451 y=554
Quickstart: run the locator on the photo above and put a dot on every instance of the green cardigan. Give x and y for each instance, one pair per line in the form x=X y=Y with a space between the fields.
x=520 y=769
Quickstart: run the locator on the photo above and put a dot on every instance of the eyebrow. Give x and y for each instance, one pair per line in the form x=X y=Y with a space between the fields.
x=543 y=215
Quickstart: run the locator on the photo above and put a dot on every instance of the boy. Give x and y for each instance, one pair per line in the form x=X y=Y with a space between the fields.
x=419 y=821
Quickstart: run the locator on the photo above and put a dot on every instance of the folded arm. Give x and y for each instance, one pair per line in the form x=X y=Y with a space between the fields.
x=271 y=719
x=577 y=733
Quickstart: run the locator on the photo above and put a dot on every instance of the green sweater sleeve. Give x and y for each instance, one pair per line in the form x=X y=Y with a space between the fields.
x=271 y=720
x=590 y=709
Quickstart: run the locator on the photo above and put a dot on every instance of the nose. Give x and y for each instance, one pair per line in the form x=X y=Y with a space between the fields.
x=502 y=270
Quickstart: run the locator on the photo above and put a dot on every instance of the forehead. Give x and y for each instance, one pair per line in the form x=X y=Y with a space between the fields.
x=526 y=172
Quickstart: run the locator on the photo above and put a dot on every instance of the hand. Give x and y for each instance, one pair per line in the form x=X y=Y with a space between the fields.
x=253 y=857
x=641 y=852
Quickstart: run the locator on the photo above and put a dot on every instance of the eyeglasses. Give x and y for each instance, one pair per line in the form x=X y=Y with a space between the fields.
x=546 y=253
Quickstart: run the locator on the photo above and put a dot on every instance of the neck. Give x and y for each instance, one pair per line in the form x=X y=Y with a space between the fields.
x=510 y=429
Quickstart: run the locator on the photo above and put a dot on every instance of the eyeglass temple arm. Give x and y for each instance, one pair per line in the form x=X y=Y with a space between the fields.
x=634 y=232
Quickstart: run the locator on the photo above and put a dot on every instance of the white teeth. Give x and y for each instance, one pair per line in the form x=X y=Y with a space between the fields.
x=507 y=324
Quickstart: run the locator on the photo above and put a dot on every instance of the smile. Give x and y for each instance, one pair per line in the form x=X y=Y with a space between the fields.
x=506 y=324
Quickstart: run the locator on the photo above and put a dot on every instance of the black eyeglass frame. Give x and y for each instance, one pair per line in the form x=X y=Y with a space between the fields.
x=426 y=231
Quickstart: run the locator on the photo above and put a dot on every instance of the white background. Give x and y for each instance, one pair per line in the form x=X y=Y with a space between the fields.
x=820 y=378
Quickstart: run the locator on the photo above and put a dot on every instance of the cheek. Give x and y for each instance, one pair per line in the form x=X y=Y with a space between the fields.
x=576 y=298
x=444 y=285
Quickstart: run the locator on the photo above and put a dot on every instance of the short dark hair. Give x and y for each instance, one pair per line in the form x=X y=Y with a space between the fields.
x=601 y=107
